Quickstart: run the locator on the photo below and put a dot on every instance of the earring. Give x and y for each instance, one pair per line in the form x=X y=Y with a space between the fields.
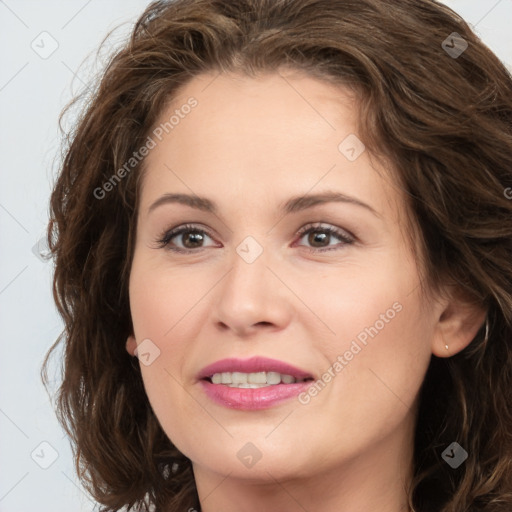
x=486 y=339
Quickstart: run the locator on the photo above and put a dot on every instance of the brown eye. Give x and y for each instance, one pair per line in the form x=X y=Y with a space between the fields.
x=319 y=236
x=190 y=237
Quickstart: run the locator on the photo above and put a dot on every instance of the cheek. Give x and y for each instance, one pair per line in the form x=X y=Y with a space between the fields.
x=359 y=302
x=160 y=303
x=160 y=297
x=378 y=347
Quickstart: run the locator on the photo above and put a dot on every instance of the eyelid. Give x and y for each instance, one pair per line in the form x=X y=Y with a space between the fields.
x=340 y=232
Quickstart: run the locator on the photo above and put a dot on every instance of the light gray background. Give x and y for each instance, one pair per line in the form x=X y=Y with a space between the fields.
x=33 y=91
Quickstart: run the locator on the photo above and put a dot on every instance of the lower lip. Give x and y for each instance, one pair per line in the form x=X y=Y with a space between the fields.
x=252 y=399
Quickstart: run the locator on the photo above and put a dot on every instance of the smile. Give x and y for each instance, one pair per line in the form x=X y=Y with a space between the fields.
x=256 y=383
x=253 y=380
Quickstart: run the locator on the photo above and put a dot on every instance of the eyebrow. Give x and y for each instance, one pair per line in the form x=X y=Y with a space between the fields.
x=293 y=205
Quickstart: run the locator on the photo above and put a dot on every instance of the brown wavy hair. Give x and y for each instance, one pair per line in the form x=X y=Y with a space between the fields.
x=444 y=123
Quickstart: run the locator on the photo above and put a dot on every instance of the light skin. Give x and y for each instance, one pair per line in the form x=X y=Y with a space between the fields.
x=249 y=146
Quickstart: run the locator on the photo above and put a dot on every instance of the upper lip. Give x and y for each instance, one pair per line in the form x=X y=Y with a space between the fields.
x=253 y=365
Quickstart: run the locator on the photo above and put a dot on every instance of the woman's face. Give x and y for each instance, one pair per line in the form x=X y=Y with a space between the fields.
x=264 y=278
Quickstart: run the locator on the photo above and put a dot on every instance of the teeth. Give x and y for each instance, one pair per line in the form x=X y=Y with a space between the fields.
x=239 y=378
x=252 y=380
x=273 y=378
x=246 y=385
x=256 y=378
x=287 y=379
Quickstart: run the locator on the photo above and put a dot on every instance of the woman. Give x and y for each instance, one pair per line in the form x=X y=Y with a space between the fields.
x=282 y=238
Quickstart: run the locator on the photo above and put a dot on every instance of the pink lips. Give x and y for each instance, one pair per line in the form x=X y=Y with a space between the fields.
x=251 y=399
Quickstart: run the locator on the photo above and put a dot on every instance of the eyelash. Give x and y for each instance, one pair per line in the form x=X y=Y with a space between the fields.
x=165 y=238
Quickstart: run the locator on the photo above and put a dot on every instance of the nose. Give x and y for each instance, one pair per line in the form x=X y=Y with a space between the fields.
x=252 y=297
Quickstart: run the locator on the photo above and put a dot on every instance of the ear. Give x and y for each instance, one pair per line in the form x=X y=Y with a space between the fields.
x=131 y=345
x=458 y=324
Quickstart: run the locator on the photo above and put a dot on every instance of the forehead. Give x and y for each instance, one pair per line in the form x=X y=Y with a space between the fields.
x=265 y=138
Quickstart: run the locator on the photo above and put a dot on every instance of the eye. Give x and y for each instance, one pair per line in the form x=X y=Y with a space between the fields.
x=191 y=238
x=318 y=235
